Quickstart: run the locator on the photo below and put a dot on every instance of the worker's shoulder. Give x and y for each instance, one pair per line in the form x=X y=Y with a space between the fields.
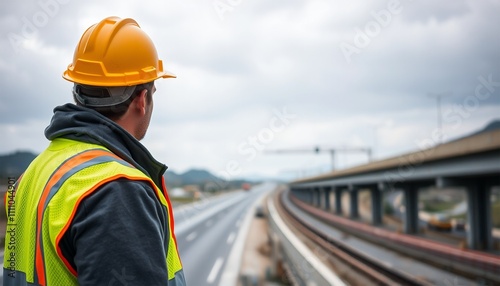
x=136 y=198
x=127 y=186
x=122 y=191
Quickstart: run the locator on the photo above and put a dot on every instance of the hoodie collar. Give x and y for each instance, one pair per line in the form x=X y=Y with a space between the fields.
x=82 y=124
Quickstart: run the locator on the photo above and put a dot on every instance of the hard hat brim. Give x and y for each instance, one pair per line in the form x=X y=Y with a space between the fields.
x=163 y=74
x=168 y=74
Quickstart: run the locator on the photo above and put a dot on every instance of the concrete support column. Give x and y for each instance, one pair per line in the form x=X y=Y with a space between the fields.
x=376 y=196
x=479 y=217
x=353 y=194
x=327 y=198
x=338 y=201
x=411 y=210
x=313 y=191
x=303 y=195
x=318 y=197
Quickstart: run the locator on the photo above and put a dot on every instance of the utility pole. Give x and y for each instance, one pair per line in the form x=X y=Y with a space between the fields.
x=438 y=97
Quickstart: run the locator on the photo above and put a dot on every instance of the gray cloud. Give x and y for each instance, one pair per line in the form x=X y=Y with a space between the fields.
x=262 y=56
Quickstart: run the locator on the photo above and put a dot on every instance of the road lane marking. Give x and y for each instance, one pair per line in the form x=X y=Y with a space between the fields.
x=215 y=270
x=231 y=237
x=191 y=236
x=199 y=216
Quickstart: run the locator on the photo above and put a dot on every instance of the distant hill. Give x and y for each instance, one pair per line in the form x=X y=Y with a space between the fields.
x=14 y=164
x=493 y=125
x=196 y=176
x=202 y=178
x=172 y=179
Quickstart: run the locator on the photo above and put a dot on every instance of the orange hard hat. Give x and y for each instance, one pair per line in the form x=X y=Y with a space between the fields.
x=115 y=52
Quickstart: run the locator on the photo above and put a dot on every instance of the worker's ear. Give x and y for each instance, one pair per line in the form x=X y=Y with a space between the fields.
x=140 y=102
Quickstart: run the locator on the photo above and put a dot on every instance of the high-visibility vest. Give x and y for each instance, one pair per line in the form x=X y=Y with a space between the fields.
x=42 y=205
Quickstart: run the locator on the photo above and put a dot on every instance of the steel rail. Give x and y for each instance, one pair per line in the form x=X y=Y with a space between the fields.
x=373 y=269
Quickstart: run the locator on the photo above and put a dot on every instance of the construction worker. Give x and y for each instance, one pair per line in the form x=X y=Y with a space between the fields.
x=93 y=209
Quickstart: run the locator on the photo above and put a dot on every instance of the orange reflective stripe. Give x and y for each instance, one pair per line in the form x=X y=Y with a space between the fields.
x=170 y=213
x=55 y=177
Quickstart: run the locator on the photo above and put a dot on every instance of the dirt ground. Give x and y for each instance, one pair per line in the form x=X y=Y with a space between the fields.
x=256 y=260
x=256 y=257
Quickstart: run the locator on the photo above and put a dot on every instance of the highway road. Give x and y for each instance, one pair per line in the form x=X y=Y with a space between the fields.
x=208 y=232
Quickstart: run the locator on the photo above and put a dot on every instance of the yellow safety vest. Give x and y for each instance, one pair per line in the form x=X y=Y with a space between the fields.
x=44 y=201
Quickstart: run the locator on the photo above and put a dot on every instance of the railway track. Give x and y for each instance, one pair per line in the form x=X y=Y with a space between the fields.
x=372 y=269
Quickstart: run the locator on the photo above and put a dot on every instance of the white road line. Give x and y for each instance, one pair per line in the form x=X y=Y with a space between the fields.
x=209 y=223
x=215 y=270
x=191 y=236
x=231 y=271
x=199 y=216
x=231 y=237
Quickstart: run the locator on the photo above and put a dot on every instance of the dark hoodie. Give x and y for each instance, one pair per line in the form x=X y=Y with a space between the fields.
x=119 y=235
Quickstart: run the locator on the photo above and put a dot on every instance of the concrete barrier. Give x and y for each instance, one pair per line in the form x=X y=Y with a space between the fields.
x=304 y=265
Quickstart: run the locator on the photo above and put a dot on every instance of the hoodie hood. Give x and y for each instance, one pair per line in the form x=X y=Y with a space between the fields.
x=86 y=125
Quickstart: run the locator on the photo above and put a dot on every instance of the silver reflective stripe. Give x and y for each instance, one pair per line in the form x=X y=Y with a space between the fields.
x=179 y=279
x=14 y=278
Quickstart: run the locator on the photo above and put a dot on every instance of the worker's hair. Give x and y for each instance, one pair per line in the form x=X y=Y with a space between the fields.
x=115 y=112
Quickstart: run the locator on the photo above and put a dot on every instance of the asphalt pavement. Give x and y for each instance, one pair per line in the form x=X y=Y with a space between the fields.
x=208 y=239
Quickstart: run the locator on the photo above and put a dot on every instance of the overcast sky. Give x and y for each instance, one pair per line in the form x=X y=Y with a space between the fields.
x=264 y=75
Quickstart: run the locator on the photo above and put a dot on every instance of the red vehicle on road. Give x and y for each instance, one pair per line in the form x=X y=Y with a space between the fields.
x=246 y=186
